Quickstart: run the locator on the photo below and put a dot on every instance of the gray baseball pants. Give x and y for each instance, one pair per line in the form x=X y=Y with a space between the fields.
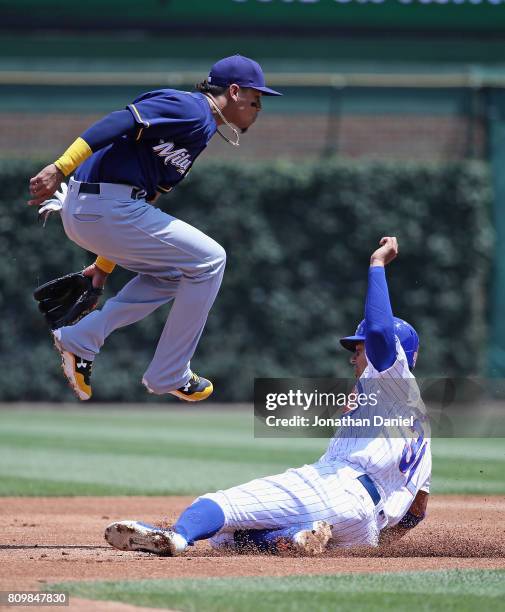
x=173 y=261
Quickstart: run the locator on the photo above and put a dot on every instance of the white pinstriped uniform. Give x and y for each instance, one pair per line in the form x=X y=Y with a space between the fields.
x=328 y=489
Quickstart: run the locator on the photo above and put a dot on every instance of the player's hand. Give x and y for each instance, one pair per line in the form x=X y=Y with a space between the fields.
x=97 y=275
x=387 y=251
x=43 y=186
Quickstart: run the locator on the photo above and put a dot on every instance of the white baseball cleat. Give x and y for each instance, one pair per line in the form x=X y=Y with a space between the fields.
x=310 y=540
x=307 y=539
x=134 y=535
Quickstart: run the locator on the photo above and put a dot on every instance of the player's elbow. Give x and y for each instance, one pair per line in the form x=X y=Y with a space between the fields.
x=379 y=334
x=380 y=347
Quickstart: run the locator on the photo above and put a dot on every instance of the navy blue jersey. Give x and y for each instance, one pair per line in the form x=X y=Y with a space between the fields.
x=171 y=129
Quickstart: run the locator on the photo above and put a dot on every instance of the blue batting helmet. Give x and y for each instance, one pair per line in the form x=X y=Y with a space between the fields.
x=406 y=334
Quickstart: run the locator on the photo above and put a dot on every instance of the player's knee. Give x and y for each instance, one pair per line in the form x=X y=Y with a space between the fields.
x=217 y=256
x=214 y=259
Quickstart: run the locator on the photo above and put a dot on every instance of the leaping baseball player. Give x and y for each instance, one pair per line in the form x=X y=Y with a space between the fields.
x=360 y=487
x=121 y=165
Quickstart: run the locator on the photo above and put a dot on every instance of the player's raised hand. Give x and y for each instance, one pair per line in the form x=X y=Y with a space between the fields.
x=45 y=184
x=386 y=252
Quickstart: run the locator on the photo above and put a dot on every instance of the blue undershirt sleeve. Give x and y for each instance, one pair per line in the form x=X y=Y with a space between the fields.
x=380 y=343
x=110 y=128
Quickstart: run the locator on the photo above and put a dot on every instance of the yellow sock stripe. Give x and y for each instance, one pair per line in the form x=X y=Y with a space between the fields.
x=76 y=153
x=105 y=264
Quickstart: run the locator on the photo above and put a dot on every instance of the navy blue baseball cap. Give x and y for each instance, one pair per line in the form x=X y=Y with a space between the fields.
x=242 y=71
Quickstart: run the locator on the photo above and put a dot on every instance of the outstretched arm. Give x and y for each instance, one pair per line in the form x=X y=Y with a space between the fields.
x=99 y=135
x=102 y=133
x=412 y=518
x=380 y=343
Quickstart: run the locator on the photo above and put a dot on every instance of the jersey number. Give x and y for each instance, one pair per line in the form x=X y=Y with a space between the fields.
x=413 y=451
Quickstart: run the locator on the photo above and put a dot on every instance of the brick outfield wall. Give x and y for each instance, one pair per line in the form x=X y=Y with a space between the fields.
x=295 y=136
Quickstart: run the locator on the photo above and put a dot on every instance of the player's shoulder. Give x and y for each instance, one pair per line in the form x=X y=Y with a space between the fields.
x=182 y=103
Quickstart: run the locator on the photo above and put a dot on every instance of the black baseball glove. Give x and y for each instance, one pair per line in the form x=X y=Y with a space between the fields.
x=65 y=300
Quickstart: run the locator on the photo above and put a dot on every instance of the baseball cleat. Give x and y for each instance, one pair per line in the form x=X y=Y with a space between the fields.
x=309 y=540
x=76 y=369
x=195 y=390
x=134 y=535
x=312 y=541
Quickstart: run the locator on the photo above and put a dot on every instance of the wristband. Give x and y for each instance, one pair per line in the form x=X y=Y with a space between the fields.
x=409 y=521
x=105 y=265
x=76 y=153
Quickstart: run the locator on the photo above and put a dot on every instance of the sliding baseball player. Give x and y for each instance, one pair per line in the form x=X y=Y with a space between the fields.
x=363 y=485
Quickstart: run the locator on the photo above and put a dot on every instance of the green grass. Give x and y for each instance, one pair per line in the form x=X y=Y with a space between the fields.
x=456 y=590
x=470 y=465
x=97 y=451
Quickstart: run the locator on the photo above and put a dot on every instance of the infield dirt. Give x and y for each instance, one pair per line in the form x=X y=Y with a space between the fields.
x=61 y=539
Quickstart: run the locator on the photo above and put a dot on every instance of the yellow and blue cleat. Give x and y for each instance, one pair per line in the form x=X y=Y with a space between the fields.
x=195 y=390
x=76 y=369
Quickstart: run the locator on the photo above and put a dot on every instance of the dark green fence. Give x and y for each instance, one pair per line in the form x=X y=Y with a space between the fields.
x=298 y=239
